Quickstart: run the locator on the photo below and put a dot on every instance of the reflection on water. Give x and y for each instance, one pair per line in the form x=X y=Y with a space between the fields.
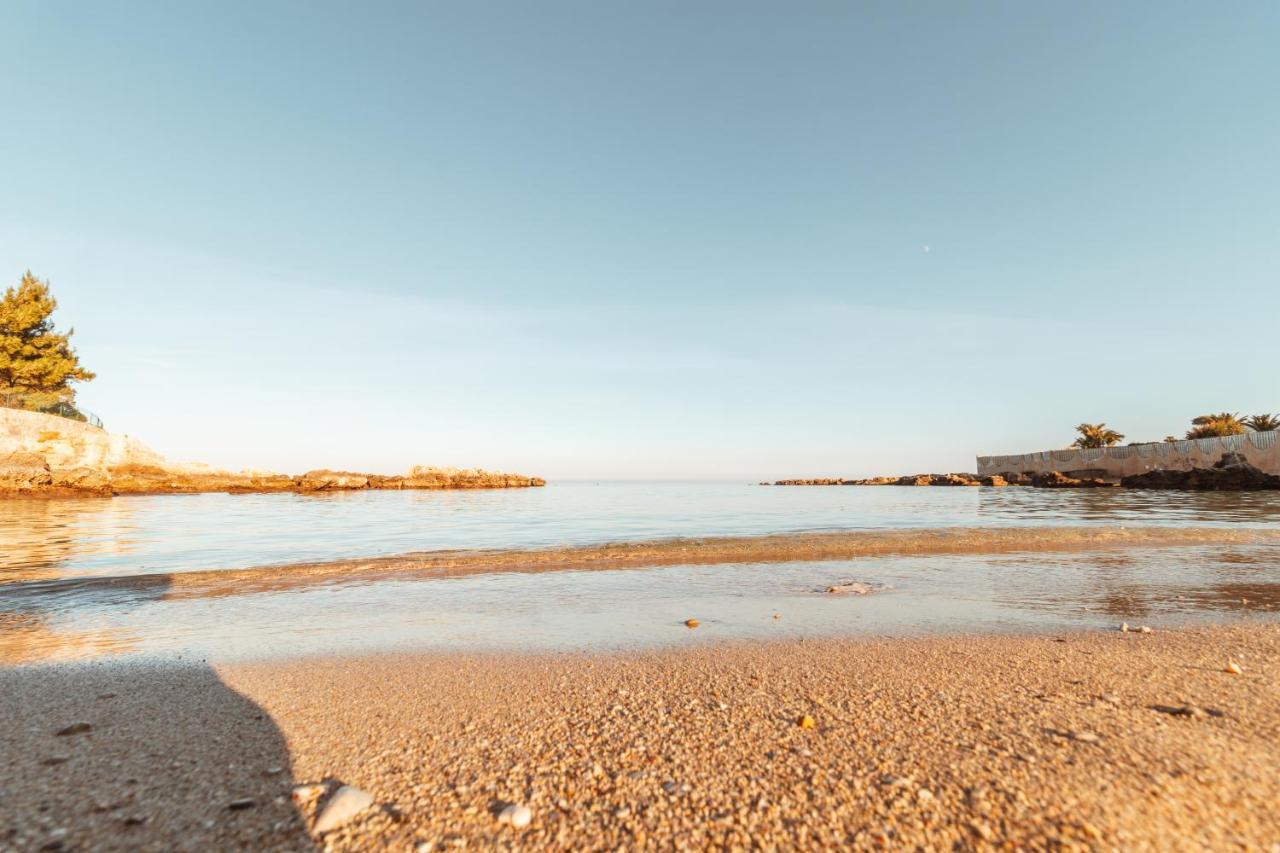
x=138 y=540
x=175 y=533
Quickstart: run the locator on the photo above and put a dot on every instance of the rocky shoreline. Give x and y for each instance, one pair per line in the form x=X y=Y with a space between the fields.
x=47 y=456
x=1230 y=473
x=30 y=475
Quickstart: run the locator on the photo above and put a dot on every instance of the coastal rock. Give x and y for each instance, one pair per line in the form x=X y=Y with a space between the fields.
x=953 y=480
x=1058 y=480
x=1230 y=473
x=327 y=481
x=82 y=479
x=346 y=803
x=994 y=480
x=22 y=471
x=49 y=456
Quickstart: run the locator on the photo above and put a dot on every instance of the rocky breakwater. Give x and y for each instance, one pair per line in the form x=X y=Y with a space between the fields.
x=48 y=456
x=1050 y=480
x=908 y=480
x=1230 y=473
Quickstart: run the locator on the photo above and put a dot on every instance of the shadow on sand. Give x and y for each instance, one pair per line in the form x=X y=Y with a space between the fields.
x=134 y=756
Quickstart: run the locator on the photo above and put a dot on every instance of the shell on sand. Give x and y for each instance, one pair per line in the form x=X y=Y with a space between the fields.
x=346 y=803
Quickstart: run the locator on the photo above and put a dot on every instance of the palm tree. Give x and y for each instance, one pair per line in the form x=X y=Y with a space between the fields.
x=1262 y=423
x=1213 y=426
x=1096 y=435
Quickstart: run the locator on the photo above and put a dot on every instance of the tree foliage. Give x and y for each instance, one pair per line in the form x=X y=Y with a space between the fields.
x=37 y=363
x=1096 y=435
x=1214 y=426
x=1262 y=423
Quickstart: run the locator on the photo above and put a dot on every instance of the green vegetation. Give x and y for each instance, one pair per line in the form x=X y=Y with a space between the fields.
x=1262 y=423
x=37 y=363
x=1213 y=426
x=1204 y=426
x=1096 y=435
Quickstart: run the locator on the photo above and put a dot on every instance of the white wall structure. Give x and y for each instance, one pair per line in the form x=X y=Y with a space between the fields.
x=1260 y=449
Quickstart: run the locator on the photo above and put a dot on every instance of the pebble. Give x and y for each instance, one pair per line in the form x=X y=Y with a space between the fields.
x=851 y=588
x=1144 y=629
x=74 y=729
x=242 y=803
x=1231 y=667
x=1124 y=627
x=807 y=722
x=1085 y=737
x=691 y=623
x=346 y=803
x=516 y=815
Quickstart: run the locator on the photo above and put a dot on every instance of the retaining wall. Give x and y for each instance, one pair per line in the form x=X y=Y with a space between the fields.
x=1261 y=449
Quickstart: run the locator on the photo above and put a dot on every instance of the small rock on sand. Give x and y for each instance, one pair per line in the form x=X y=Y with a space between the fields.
x=691 y=623
x=242 y=803
x=346 y=803
x=75 y=729
x=850 y=588
x=516 y=815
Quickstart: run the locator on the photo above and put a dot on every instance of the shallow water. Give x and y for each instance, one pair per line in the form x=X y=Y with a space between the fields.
x=50 y=540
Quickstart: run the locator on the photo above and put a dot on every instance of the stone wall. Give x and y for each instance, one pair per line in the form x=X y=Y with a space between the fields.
x=1261 y=449
x=66 y=444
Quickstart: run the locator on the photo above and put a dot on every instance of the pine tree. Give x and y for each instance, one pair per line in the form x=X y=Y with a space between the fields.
x=37 y=363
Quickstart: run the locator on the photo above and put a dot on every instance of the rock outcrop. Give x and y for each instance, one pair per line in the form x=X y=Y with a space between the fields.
x=48 y=456
x=1058 y=480
x=1050 y=480
x=1230 y=473
x=909 y=480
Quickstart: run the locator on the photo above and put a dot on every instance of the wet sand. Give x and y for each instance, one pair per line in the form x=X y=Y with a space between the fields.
x=941 y=742
x=791 y=547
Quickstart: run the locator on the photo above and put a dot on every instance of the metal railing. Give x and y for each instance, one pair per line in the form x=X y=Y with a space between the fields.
x=63 y=410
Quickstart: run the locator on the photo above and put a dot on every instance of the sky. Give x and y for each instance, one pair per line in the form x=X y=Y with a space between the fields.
x=596 y=239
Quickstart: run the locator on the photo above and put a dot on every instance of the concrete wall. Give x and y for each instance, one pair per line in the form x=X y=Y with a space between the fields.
x=1261 y=449
x=67 y=444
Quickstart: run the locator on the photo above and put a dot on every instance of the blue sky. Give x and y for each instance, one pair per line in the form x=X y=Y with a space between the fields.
x=605 y=239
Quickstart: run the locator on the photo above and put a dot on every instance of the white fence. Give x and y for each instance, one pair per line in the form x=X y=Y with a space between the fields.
x=1259 y=448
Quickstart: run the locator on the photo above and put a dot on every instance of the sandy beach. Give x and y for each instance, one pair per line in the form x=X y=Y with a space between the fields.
x=1089 y=740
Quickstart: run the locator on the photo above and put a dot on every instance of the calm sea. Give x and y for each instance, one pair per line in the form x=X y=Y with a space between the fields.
x=43 y=541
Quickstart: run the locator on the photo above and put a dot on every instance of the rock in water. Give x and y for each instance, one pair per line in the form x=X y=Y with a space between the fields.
x=516 y=815
x=346 y=803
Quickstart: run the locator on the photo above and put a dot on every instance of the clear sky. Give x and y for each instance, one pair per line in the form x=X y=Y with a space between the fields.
x=648 y=239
